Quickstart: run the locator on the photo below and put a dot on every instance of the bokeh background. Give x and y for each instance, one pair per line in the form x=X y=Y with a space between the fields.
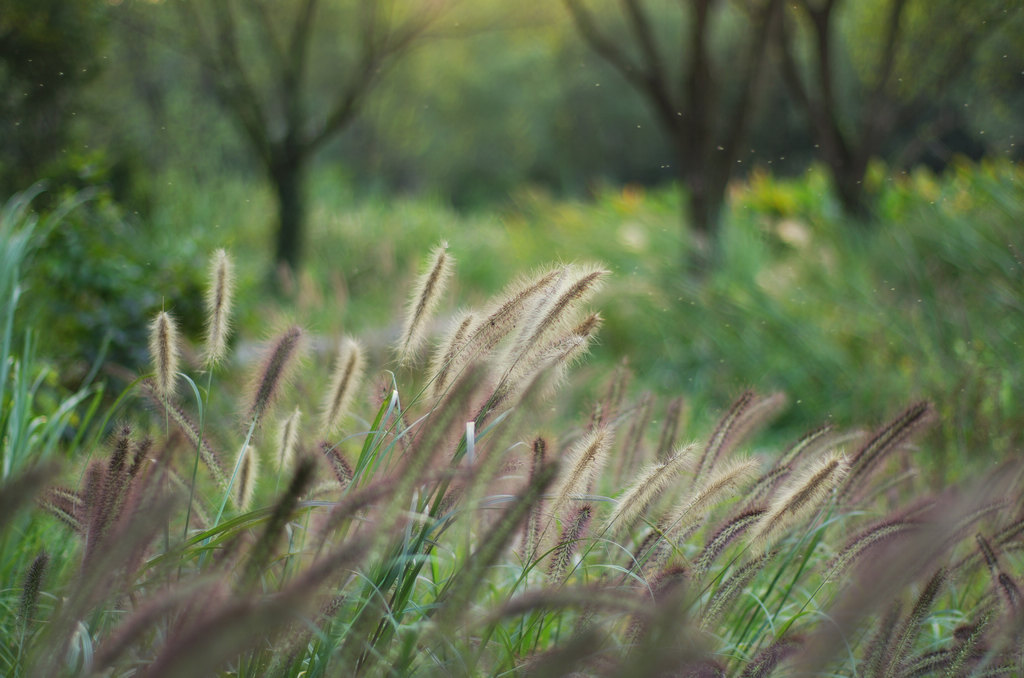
x=824 y=197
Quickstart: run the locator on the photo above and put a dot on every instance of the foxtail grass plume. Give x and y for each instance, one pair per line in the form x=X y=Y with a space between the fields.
x=799 y=499
x=341 y=468
x=725 y=535
x=583 y=465
x=764 y=663
x=348 y=372
x=423 y=302
x=288 y=439
x=451 y=353
x=193 y=433
x=860 y=544
x=731 y=588
x=552 y=317
x=747 y=413
x=275 y=369
x=531 y=531
x=164 y=349
x=510 y=311
x=550 y=363
x=248 y=473
x=648 y=485
x=884 y=441
x=33 y=584
x=717 y=488
x=568 y=542
x=219 y=296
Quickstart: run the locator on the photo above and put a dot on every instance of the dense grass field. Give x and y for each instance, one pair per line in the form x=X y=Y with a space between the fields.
x=541 y=450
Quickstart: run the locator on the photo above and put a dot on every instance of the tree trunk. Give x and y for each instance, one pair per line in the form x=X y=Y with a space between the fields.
x=851 y=194
x=701 y=217
x=287 y=173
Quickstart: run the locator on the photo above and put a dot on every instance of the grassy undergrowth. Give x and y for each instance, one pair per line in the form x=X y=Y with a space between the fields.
x=846 y=318
x=412 y=507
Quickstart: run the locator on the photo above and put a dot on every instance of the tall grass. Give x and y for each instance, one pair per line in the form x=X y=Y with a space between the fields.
x=436 y=521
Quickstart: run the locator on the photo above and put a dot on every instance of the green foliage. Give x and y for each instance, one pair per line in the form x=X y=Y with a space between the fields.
x=103 y=260
x=404 y=554
x=49 y=51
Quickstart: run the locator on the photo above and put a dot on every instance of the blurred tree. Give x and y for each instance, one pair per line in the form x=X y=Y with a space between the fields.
x=256 y=55
x=48 y=50
x=886 y=64
x=703 y=98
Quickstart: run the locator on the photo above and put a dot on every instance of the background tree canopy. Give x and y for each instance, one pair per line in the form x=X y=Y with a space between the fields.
x=471 y=102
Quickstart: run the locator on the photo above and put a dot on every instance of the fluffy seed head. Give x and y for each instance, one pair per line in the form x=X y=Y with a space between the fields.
x=652 y=480
x=219 y=296
x=33 y=583
x=423 y=301
x=508 y=313
x=584 y=463
x=348 y=372
x=718 y=487
x=451 y=353
x=287 y=439
x=164 y=351
x=554 y=315
x=277 y=365
x=247 y=475
x=574 y=530
x=799 y=499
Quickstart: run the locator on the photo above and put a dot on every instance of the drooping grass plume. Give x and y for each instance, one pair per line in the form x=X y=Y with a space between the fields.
x=987 y=553
x=670 y=429
x=722 y=484
x=450 y=353
x=66 y=505
x=747 y=413
x=164 y=351
x=1010 y=592
x=886 y=439
x=807 y=443
x=115 y=484
x=877 y=650
x=800 y=498
x=532 y=528
x=140 y=449
x=288 y=440
x=551 y=317
x=732 y=587
x=31 y=588
x=583 y=464
x=219 y=295
x=648 y=485
x=725 y=536
x=248 y=473
x=864 y=541
x=903 y=640
x=551 y=362
x=277 y=364
x=425 y=297
x=761 y=491
x=509 y=311
x=768 y=659
x=342 y=470
x=345 y=379
x=574 y=530
x=191 y=431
